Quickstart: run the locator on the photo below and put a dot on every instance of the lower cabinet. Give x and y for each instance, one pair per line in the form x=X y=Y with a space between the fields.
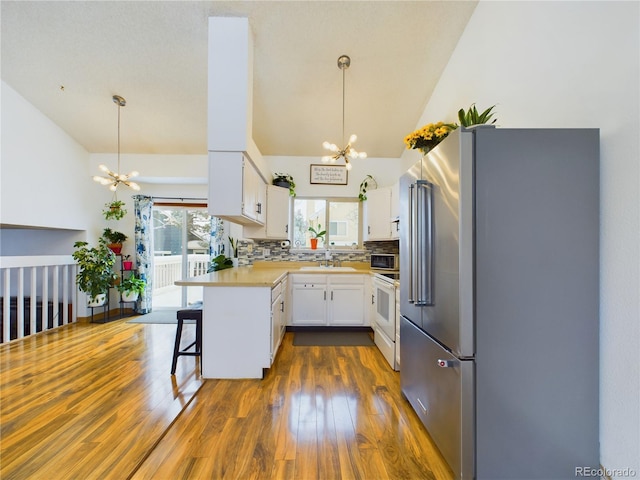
x=328 y=300
x=278 y=316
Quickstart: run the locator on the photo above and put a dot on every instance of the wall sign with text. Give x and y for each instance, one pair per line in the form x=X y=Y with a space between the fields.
x=329 y=174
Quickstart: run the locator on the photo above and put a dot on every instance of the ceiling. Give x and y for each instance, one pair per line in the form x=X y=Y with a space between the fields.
x=68 y=58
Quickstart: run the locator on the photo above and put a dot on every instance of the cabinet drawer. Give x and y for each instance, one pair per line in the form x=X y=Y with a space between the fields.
x=275 y=291
x=346 y=279
x=308 y=279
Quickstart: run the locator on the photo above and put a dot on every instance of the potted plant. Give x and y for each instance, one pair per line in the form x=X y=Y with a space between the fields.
x=220 y=263
x=317 y=234
x=362 y=196
x=428 y=137
x=95 y=270
x=234 y=250
x=126 y=263
x=472 y=118
x=113 y=210
x=131 y=288
x=286 y=181
x=115 y=239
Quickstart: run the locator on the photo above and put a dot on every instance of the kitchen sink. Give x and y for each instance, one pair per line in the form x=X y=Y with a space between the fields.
x=320 y=268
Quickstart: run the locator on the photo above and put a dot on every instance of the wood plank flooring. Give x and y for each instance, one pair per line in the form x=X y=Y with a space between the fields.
x=97 y=401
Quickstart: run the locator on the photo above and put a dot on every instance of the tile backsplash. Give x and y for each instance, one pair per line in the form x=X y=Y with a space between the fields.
x=272 y=251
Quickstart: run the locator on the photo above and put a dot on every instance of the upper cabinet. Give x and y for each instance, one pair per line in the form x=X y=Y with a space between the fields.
x=381 y=211
x=277 y=219
x=236 y=189
x=230 y=84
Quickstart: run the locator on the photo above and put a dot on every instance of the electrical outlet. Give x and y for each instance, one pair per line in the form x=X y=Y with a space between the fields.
x=266 y=251
x=249 y=247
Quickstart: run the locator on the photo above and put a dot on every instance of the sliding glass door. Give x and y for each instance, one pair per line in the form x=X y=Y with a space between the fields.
x=181 y=250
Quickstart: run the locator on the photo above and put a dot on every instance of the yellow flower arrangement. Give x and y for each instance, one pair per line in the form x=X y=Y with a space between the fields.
x=427 y=137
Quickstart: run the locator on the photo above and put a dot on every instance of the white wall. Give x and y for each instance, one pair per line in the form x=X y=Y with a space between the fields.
x=44 y=173
x=573 y=64
x=385 y=171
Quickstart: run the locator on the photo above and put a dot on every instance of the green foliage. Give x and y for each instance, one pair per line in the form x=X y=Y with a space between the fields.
x=95 y=267
x=472 y=117
x=132 y=284
x=113 y=236
x=285 y=178
x=362 y=196
x=317 y=233
x=234 y=246
x=113 y=210
x=220 y=263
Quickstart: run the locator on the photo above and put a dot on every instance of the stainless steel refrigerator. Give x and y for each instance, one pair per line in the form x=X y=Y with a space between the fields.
x=499 y=300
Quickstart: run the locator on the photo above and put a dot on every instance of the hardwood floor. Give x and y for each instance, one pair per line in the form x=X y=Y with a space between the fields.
x=97 y=401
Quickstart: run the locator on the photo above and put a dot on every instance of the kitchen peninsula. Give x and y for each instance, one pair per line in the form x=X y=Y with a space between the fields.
x=244 y=314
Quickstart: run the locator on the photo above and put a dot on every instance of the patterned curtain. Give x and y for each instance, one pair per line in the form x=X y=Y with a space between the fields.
x=216 y=240
x=144 y=249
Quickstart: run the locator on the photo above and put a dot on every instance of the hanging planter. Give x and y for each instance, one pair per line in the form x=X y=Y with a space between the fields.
x=114 y=210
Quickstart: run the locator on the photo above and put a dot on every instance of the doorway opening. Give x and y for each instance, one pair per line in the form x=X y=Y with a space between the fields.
x=181 y=236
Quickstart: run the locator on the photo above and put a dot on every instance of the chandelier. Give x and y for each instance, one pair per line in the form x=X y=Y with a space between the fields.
x=116 y=178
x=348 y=152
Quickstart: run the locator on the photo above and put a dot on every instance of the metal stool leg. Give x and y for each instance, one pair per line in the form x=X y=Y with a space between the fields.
x=176 y=347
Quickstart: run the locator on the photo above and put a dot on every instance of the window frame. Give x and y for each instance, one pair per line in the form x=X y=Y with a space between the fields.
x=327 y=200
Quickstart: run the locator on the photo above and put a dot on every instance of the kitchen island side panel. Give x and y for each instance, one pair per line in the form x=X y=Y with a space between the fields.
x=236 y=332
x=536 y=229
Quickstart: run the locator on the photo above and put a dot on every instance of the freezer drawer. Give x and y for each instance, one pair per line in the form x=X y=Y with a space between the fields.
x=440 y=390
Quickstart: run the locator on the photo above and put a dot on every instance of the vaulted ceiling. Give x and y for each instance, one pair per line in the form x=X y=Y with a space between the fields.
x=68 y=58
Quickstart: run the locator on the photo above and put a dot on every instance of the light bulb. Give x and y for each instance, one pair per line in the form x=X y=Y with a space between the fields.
x=113 y=187
x=362 y=155
x=103 y=168
x=326 y=145
x=353 y=138
x=133 y=185
x=348 y=165
x=326 y=159
x=135 y=173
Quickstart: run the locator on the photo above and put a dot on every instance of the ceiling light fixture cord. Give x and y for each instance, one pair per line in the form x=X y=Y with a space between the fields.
x=115 y=178
x=348 y=151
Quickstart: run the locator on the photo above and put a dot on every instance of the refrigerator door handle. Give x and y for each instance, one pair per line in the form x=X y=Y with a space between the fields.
x=413 y=240
x=425 y=243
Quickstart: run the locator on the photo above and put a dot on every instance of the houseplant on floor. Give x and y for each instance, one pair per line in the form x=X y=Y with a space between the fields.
x=131 y=288
x=95 y=270
x=115 y=239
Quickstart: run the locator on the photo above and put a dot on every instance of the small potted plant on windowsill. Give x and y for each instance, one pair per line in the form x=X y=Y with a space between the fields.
x=286 y=181
x=115 y=239
x=131 y=288
x=316 y=234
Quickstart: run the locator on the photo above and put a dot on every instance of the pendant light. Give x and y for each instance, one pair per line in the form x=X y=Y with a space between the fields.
x=348 y=152
x=116 y=178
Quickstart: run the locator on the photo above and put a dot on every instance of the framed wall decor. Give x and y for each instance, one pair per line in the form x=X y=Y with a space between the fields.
x=328 y=174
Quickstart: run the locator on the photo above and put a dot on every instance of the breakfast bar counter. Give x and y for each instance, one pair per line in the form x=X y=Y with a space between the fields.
x=241 y=326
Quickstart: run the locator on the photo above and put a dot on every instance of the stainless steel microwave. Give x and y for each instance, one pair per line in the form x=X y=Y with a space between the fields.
x=385 y=261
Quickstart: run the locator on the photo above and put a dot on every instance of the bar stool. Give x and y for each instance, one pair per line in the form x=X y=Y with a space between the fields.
x=192 y=313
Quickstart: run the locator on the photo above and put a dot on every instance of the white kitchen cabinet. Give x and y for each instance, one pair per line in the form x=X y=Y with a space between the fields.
x=236 y=189
x=329 y=300
x=277 y=216
x=277 y=317
x=346 y=303
x=308 y=299
x=377 y=214
x=395 y=210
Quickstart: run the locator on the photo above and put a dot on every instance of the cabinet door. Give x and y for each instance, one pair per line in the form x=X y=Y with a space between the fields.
x=378 y=214
x=346 y=305
x=277 y=318
x=309 y=304
x=277 y=212
x=249 y=190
